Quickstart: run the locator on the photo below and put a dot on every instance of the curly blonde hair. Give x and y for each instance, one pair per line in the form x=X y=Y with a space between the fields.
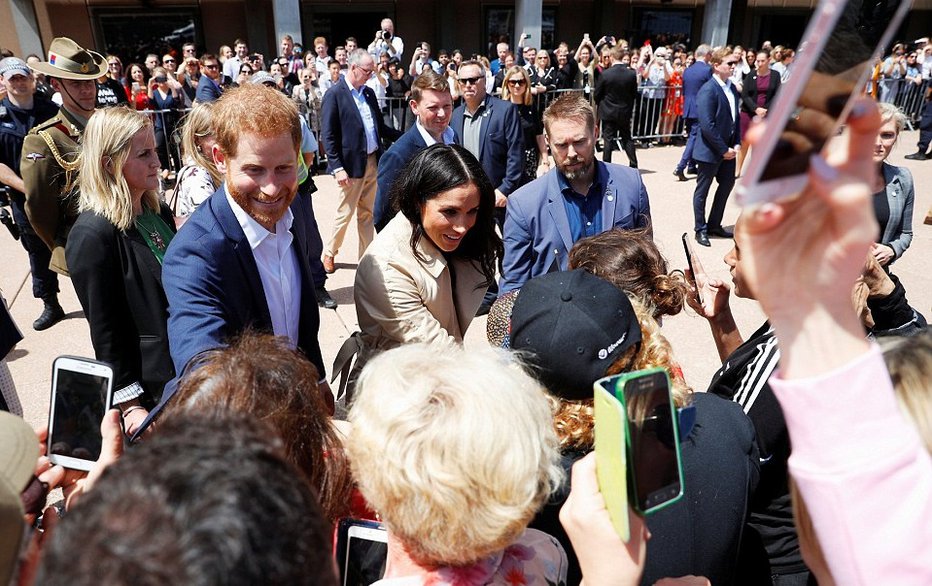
x=574 y=421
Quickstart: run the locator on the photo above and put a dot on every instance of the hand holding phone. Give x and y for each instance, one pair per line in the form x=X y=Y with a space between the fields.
x=831 y=67
x=587 y=522
x=362 y=551
x=82 y=391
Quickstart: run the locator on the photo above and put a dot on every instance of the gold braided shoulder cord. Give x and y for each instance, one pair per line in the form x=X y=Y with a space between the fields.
x=69 y=166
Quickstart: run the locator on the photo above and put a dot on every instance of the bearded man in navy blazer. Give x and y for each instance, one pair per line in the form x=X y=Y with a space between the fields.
x=581 y=197
x=718 y=145
x=242 y=260
x=352 y=131
x=695 y=76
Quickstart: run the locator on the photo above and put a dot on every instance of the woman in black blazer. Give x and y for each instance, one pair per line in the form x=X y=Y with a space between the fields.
x=115 y=252
x=753 y=102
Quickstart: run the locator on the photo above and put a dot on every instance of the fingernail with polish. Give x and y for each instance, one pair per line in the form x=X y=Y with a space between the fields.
x=822 y=169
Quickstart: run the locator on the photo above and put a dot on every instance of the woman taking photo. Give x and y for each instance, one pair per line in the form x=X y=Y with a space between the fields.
x=516 y=88
x=424 y=276
x=136 y=85
x=893 y=191
x=115 y=252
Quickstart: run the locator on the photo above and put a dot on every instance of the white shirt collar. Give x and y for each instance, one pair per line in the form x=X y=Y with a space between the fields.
x=254 y=231
x=449 y=137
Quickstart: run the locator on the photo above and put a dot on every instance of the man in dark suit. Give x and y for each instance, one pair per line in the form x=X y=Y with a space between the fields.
x=717 y=146
x=208 y=87
x=242 y=260
x=490 y=129
x=615 y=94
x=695 y=76
x=581 y=197
x=352 y=130
x=432 y=105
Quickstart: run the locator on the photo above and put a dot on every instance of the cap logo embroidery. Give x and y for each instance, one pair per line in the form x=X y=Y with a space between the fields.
x=604 y=352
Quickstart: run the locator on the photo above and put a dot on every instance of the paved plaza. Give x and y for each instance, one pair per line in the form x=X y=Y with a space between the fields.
x=671 y=203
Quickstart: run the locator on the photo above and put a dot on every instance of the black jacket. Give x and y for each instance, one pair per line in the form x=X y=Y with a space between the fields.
x=119 y=284
x=616 y=92
x=749 y=91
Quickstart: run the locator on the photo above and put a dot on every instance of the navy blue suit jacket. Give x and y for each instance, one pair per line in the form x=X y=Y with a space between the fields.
x=207 y=90
x=213 y=286
x=694 y=78
x=501 y=142
x=718 y=132
x=342 y=132
x=390 y=165
x=537 y=229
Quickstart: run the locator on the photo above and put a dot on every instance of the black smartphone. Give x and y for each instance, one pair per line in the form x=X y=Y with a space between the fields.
x=687 y=246
x=82 y=391
x=655 y=467
x=362 y=549
x=841 y=43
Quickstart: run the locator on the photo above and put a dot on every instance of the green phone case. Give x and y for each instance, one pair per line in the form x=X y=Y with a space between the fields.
x=616 y=384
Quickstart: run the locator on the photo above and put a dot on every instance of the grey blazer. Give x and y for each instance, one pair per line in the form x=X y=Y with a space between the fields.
x=898 y=233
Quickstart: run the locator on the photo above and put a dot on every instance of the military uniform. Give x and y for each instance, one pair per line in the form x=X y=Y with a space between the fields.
x=48 y=169
x=15 y=123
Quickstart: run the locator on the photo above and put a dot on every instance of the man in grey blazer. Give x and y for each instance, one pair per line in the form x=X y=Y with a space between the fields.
x=581 y=197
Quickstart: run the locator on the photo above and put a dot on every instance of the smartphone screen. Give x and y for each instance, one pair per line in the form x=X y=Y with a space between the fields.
x=842 y=43
x=362 y=547
x=653 y=441
x=695 y=267
x=80 y=396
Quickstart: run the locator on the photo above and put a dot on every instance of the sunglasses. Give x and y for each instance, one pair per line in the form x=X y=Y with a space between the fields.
x=211 y=66
x=515 y=82
x=469 y=80
x=168 y=61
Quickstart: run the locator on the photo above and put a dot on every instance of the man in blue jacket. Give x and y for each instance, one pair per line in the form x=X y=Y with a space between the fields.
x=694 y=78
x=432 y=104
x=717 y=146
x=580 y=197
x=208 y=87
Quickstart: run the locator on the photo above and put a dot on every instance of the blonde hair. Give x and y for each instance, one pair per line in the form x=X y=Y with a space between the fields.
x=196 y=125
x=890 y=112
x=522 y=73
x=574 y=421
x=455 y=448
x=103 y=189
x=909 y=362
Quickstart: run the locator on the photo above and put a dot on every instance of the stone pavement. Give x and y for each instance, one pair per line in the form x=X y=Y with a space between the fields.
x=671 y=204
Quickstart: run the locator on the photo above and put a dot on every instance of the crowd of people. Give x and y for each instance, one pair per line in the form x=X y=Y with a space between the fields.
x=806 y=461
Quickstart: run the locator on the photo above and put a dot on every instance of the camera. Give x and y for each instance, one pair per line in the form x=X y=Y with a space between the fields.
x=5 y=218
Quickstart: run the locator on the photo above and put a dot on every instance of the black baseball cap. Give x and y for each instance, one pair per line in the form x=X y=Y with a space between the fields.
x=572 y=327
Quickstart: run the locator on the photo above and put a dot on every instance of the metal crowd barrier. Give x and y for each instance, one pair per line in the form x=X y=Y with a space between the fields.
x=907 y=95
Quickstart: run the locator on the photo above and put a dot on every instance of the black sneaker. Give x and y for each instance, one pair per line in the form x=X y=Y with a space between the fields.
x=324 y=299
x=51 y=315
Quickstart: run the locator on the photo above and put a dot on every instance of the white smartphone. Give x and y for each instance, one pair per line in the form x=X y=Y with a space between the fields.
x=842 y=42
x=362 y=550
x=82 y=391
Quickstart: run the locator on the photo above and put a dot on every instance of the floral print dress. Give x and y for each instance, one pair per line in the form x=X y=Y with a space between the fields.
x=535 y=558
